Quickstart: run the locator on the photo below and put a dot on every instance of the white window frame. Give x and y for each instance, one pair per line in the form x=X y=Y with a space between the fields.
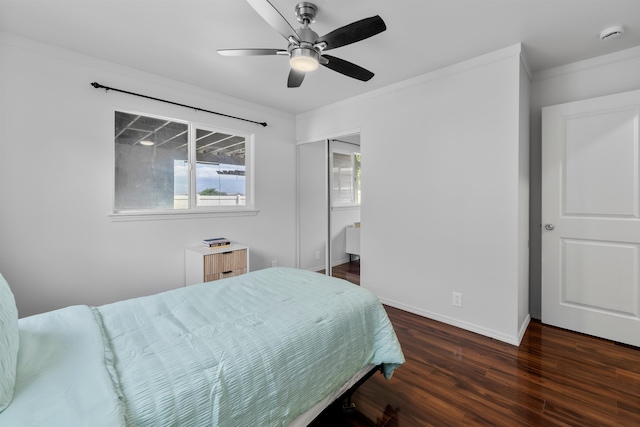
x=336 y=205
x=194 y=211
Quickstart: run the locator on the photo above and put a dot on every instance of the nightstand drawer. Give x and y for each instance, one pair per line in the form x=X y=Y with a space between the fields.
x=224 y=274
x=225 y=262
x=206 y=265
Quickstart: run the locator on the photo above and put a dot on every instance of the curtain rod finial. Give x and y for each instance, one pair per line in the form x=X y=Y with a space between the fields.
x=98 y=86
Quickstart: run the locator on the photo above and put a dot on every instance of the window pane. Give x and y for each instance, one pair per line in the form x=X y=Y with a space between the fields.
x=150 y=162
x=220 y=169
x=342 y=178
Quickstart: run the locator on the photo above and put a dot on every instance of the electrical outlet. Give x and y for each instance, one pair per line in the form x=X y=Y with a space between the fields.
x=457 y=299
x=317 y=254
x=274 y=263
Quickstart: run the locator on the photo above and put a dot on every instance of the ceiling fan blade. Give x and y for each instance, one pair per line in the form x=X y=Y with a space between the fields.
x=347 y=68
x=295 y=78
x=251 y=52
x=353 y=32
x=274 y=18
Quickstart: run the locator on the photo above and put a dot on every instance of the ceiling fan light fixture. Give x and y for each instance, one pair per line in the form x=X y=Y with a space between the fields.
x=304 y=59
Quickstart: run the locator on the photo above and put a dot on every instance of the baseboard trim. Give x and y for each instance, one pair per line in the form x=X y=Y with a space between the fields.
x=523 y=328
x=513 y=340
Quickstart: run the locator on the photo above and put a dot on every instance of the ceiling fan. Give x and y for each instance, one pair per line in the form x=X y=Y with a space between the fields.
x=306 y=49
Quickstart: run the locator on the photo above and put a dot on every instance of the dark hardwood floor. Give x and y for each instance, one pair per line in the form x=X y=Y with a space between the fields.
x=349 y=271
x=453 y=377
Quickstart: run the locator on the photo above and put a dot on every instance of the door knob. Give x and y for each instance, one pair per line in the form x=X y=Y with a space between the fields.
x=549 y=227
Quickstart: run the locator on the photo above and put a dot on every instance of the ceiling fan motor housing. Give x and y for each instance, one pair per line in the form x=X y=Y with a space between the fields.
x=305 y=56
x=306 y=11
x=307 y=35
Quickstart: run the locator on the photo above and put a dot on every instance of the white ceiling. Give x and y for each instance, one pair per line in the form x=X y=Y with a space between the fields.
x=178 y=39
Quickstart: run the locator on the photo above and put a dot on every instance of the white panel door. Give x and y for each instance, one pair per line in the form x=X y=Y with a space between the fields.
x=591 y=217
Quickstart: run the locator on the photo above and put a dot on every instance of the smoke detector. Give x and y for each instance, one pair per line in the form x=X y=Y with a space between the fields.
x=612 y=33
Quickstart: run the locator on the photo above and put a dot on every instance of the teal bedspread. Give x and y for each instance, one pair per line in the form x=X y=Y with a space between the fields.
x=253 y=350
x=62 y=374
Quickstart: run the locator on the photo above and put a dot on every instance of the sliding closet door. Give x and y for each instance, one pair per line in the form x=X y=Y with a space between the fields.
x=313 y=202
x=323 y=216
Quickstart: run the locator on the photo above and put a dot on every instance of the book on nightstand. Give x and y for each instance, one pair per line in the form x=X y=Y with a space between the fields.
x=216 y=242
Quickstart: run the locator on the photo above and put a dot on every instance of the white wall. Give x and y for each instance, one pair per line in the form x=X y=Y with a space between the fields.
x=605 y=75
x=57 y=244
x=449 y=219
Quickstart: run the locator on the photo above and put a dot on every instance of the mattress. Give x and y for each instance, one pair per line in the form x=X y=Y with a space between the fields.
x=265 y=348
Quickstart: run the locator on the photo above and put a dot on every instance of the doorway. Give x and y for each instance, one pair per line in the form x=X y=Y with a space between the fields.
x=591 y=217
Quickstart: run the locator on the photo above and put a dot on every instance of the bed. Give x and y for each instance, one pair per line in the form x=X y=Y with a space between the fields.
x=269 y=348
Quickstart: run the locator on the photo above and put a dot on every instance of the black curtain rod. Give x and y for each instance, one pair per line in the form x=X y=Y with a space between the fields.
x=99 y=86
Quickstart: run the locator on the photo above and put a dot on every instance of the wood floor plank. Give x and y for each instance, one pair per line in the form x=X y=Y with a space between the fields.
x=454 y=377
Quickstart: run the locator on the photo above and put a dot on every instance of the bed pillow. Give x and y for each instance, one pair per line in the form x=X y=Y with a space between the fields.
x=8 y=343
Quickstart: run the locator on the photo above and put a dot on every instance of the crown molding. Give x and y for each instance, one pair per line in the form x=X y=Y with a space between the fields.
x=599 y=61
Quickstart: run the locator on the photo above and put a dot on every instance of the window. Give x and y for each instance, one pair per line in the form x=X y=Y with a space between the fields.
x=164 y=165
x=346 y=178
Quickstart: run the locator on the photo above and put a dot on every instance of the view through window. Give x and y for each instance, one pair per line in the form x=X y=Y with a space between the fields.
x=166 y=164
